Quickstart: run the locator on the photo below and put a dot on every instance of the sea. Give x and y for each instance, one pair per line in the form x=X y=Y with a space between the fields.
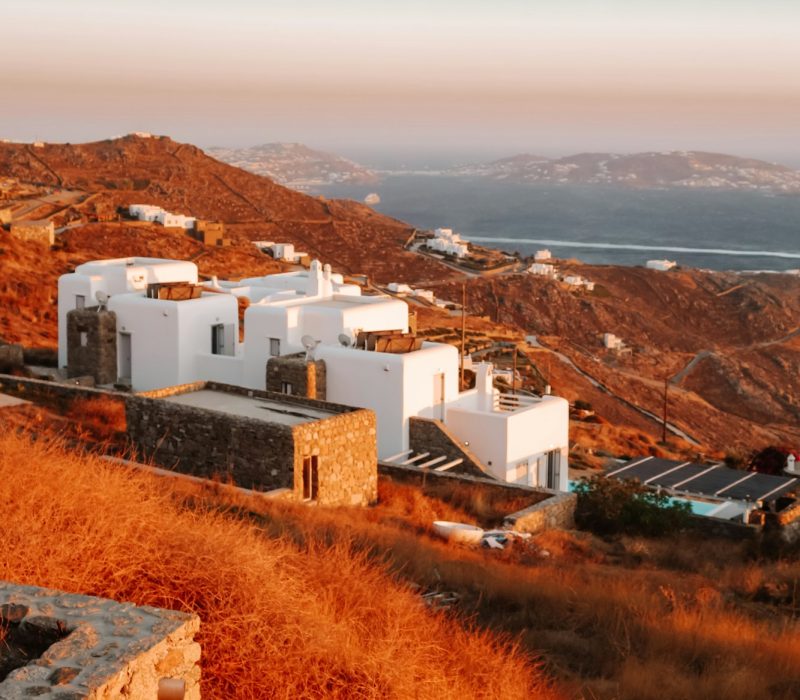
x=711 y=229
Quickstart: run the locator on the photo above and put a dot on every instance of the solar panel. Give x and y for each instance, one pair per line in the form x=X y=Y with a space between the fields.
x=705 y=480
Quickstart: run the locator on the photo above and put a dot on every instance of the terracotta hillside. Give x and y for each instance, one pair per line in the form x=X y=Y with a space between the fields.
x=182 y=178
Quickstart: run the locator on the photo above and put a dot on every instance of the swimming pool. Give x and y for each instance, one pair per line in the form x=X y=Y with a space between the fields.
x=698 y=507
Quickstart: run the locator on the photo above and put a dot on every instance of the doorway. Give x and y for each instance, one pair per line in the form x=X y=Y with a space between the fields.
x=125 y=359
x=310 y=478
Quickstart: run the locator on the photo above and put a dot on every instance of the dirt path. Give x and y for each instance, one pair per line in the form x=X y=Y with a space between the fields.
x=674 y=429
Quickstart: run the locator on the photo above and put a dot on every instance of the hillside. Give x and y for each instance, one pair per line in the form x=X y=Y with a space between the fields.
x=279 y=619
x=295 y=165
x=729 y=345
x=682 y=169
x=183 y=179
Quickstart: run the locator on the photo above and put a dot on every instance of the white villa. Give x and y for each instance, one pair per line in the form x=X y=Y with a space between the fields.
x=151 y=212
x=163 y=342
x=543 y=269
x=661 y=265
x=445 y=241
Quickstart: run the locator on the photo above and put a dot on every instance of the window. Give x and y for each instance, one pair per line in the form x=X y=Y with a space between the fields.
x=274 y=347
x=287 y=388
x=222 y=339
x=84 y=339
x=310 y=478
x=80 y=301
x=553 y=469
x=218 y=339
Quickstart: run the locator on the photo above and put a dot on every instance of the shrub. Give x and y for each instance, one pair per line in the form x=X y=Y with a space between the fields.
x=610 y=506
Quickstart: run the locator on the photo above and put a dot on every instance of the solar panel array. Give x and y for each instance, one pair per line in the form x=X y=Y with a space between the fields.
x=713 y=481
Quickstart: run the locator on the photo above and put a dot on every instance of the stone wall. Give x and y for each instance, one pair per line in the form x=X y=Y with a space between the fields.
x=34 y=231
x=346 y=447
x=255 y=453
x=557 y=511
x=12 y=357
x=107 y=650
x=92 y=344
x=308 y=379
x=427 y=435
x=54 y=395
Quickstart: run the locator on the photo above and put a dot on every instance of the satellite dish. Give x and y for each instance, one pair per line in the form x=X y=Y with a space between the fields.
x=345 y=340
x=102 y=300
x=309 y=343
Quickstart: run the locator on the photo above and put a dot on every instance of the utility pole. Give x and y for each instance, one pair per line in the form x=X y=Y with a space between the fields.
x=463 y=332
x=664 y=422
x=514 y=374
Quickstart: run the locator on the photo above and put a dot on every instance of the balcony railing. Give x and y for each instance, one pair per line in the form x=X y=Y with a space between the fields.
x=513 y=402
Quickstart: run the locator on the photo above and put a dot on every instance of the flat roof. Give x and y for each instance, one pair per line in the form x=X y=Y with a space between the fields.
x=713 y=481
x=268 y=410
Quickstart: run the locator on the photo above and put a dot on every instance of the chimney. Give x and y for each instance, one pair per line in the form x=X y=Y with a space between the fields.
x=483 y=383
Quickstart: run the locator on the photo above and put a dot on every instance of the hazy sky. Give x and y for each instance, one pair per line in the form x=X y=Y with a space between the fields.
x=460 y=78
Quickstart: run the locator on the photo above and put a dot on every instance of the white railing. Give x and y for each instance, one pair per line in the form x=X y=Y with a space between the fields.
x=513 y=402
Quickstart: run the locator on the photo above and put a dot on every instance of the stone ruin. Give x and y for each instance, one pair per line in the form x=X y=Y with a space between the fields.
x=73 y=647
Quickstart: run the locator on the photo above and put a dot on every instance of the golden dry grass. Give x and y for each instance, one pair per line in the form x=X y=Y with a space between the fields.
x=609 y=618
x=279 y=620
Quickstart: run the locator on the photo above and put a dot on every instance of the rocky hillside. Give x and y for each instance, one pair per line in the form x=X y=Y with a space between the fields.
x=687 y=169
x=182 y=178
x=295 y=165
x=728 y=344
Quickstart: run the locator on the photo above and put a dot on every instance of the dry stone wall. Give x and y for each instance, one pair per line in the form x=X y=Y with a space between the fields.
x=346 y=447
x=254 y=453
x=107 y=650
x=258 y=454
x=307 y=379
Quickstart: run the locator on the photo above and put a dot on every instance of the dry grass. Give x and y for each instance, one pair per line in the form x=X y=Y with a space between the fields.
x=279 y=620
x=609 y=618
x=103 y=418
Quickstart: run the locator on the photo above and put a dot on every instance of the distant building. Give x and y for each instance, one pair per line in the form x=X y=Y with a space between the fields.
x=445 y=241
x=611 y=341
x=662 y=265
x=38 y=144
x=541 y=255
x=37 y=231
x=150 y=212
x=578 y=282
x=399 y=288
x=425 y=294
x=542 y=269
x=210 y=233
x=282 y=251
x=169 y=220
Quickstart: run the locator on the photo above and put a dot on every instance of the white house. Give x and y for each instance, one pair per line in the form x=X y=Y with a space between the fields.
x=399 y=288
x=81 y=288
x=542 y=255
x=542 y=269
x=445 y=241
x=662 y=265
x=578 y=282
x=169 y=220
x=153 y=213
x=612 y=342
x=145 y=212
x=162 y=342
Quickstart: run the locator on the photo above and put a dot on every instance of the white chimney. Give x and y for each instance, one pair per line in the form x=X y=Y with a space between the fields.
x=484 y=385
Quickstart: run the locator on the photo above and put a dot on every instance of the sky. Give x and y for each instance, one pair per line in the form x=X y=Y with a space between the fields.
x=435 y=81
